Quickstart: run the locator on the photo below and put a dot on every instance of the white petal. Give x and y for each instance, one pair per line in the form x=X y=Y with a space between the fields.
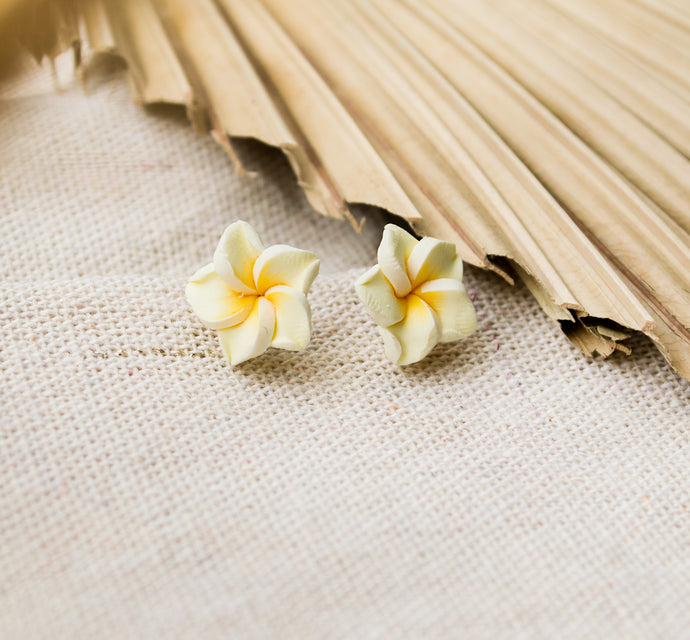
x=411 y=339
x=377 y=295
x=238 y=249
x=449 y=299
x=394 y=250
x=253 y=336
x=217 y=306
x=432 y=259
x=285 y=265
x=293 y=318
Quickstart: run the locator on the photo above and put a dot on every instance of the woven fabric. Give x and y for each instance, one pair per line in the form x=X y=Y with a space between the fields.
x=505 y=487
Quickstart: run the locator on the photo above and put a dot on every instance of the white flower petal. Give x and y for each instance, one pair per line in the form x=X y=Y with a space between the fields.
x=238 y=249
x=377 y=295
x=285 y=265
x=394 y=250
x=293 y=318
x=411 y=339
x=449 y=299
x=253 y=336
x=217 y=306
x=432 y=259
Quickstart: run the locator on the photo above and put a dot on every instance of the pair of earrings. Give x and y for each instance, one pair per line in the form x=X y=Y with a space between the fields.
x=256 y=297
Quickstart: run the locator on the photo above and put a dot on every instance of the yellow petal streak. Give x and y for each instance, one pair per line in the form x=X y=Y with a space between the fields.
x=253 y=336
x=377 y=295
x=411 y=339
x=455 y=311
x=393 y=253
x=238 y=249
x=217 y=306
x=283 y=265
x=293 y=318
x=432 y=259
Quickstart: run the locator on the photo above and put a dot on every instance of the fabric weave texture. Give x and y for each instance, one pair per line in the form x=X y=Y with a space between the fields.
x=504 y=487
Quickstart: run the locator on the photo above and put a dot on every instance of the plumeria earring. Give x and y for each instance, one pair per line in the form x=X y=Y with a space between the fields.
x=416 y=296
x=254 y=296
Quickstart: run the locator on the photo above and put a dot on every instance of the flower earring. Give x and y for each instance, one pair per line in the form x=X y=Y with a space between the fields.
x=255 y=297
x=416 y=296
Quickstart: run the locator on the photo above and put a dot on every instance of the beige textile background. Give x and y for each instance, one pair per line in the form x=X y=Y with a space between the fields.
x=506 y=487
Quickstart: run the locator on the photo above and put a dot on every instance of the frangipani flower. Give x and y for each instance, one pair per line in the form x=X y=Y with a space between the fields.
x=416 y=296
x=255 y=297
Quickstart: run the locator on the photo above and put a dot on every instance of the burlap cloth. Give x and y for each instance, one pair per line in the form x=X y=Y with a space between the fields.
x=506 y=487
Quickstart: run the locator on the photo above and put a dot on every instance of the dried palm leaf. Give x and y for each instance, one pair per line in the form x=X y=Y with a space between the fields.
x=550 y=135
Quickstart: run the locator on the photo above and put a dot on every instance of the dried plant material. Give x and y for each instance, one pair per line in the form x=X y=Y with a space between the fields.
x=285 y=104
x=511 y=209
x=644 y=93
x=657 y=43
x=98 y=28
x=43 y=27
x=554 y=135
x=155 y=72
x=605 y=125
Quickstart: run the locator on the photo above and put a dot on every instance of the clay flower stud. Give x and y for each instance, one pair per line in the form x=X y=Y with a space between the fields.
x=255 y=297
x=416 y=296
